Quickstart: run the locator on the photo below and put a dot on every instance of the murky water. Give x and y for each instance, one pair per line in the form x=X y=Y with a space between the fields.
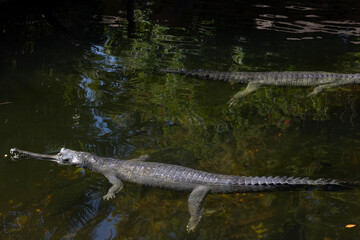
x=83 y=76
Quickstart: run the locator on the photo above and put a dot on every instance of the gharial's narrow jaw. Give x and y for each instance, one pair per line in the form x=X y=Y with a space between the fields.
x=64 y=157
x=17 y=154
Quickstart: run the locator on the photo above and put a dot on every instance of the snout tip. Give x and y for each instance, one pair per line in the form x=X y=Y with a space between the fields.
x=13 y=150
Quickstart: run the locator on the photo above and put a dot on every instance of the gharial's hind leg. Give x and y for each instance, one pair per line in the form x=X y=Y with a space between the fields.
x=251 y=87
x=320 y=88
x=195 y=206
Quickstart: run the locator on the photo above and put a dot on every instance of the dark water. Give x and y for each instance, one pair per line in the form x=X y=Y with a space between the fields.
x=80 y=75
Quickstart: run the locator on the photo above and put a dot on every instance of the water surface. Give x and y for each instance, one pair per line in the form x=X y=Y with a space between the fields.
x=83 y=76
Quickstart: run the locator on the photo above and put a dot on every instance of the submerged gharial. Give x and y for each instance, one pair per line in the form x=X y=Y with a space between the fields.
x=176 y=177
x=254 y=80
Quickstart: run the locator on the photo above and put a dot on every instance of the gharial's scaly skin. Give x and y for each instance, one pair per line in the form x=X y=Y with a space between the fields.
x=272 y=78
x=322 y=80
x=175 y=177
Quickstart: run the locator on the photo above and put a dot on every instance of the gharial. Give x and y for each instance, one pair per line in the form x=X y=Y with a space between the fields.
x=175 y=177
x=254 y=80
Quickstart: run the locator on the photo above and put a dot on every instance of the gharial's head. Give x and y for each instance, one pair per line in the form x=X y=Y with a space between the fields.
x=64 y=157
x=70 y=157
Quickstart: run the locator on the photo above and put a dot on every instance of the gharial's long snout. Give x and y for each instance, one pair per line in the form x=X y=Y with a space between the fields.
x=17 y=154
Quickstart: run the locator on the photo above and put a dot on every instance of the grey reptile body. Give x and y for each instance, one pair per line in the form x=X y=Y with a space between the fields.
x=176 y=177
x=322 y=80
x=182 y=178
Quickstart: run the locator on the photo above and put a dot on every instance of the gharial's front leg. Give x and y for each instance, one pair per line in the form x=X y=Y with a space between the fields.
x=251 y=87
x=195 y=206
x=117 y=185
